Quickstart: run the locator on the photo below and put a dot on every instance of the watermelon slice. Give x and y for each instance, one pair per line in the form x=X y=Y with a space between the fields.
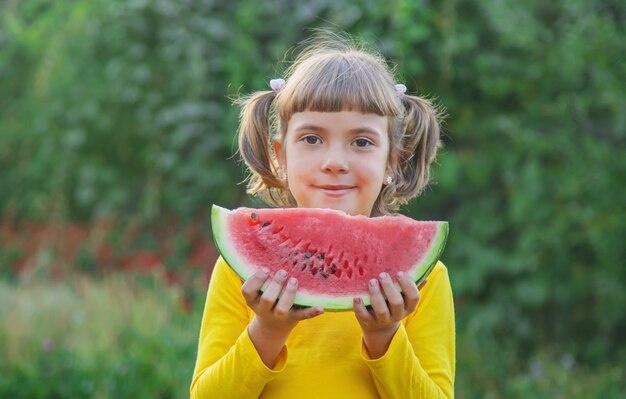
x=333 y=255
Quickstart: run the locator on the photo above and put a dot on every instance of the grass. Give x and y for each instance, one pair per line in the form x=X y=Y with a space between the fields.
x=127 y=335
x=122 y=336
x=490 y=369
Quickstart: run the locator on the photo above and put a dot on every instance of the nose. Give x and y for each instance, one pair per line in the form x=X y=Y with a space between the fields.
x=335 y=161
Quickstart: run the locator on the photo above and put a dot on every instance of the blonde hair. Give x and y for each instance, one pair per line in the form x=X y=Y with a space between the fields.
x=333 y=74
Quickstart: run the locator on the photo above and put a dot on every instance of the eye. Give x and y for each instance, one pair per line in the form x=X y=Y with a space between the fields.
x=362 y=142
x=311 y=139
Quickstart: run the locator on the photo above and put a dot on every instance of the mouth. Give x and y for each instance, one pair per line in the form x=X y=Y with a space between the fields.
x=335 y=190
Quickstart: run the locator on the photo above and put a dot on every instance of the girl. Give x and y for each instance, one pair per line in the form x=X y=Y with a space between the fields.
x=338 y=133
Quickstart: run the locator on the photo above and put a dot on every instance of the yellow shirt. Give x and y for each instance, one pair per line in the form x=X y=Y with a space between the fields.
x=324 y=357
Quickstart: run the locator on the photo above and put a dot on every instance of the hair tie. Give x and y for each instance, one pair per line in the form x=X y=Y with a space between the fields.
x=400 y=90
x=277 y=85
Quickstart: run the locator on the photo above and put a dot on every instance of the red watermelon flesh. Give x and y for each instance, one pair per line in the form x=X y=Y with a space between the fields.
x=333 y=255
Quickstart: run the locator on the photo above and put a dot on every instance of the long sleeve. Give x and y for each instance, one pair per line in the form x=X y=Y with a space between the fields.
x=228 y=365
x=420 y=360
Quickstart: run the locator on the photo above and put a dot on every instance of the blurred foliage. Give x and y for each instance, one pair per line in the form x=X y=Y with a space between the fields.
x=121 y=109
x=122 y=337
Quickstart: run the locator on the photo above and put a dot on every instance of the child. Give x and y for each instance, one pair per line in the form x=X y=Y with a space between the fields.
x=338 y=133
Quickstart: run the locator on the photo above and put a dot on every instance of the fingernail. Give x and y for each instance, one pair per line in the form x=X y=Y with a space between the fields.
x=293 y=281
x=282 y=273
x=357 y=301
x=373 y=283
x=384 y=275
x=400 y=274
x=265 y=270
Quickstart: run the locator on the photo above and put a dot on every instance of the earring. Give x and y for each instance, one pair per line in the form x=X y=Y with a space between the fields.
x=389 y=179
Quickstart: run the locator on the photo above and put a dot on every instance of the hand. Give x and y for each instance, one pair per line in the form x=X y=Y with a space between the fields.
x=275 y=317
x=273 y=308
x=381 y=322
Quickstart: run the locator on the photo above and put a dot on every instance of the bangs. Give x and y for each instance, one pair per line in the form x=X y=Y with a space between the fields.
x=333 y=81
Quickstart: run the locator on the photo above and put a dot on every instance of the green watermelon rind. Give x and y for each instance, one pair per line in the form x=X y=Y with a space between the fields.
x=419 y=271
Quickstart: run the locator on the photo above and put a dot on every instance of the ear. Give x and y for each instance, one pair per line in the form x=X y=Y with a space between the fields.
x=280 y=154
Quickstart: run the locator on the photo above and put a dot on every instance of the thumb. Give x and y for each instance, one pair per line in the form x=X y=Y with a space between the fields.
x=308 y=313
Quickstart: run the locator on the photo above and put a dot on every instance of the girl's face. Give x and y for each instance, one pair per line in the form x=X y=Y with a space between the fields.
x=335 y=160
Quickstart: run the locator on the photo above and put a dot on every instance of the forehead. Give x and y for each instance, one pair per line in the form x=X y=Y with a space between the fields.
x=341 y=121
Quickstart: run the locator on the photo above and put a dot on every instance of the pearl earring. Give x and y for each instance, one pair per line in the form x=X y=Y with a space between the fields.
x=389 y=179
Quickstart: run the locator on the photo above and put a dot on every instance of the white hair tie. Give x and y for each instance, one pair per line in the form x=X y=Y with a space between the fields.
x=400 y=90
x=277 y=85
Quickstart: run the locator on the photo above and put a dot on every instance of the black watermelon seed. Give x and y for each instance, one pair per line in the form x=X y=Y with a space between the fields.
x=295 y=262
x=303 y=267
x=325 y=274
x=333 y=269
x=307 y=255
x=254 y=216
x=311 y=265
x=320 y=256
x=265 y=224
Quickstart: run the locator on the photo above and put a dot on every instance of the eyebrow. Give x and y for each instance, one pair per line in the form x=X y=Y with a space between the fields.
x=361 y=129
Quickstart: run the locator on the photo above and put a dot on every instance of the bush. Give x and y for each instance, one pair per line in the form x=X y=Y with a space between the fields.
x=120 y=109
x=119 y=337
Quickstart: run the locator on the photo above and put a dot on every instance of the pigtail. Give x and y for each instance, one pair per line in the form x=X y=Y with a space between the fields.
x=419 y=143
x=255 y=147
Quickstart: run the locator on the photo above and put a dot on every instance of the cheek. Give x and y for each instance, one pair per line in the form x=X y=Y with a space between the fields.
x=297 y=159
x=295 y=163
x=377 y=166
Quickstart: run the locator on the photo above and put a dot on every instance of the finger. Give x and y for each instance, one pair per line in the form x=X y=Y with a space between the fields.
x=250 y=289
x=269 y=297
x=395 y=302
x=307 y=313
x=362 y=314
x=379 y=305
x=285 y=302
x=409 y=290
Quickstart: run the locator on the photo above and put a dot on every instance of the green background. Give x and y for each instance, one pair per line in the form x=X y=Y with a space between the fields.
x=117 y=132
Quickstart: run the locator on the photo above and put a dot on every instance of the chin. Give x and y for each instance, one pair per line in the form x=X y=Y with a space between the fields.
x=347 y=209
x=338 y=204
x=327 y=205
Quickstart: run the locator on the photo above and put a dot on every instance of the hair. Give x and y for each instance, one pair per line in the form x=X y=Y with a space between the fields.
x=334 y=74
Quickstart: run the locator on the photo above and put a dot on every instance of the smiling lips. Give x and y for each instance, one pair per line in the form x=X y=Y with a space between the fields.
x=335 y=190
